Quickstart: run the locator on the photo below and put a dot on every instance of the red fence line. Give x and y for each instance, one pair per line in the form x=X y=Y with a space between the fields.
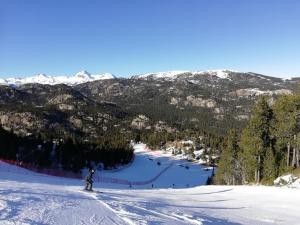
x=47 y=171
x=66 y=174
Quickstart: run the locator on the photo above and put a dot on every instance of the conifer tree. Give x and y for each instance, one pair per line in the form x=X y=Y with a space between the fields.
x=247 y=158
x=285 y=129
x=269 y=169
x=228 y=169
x=256 y=139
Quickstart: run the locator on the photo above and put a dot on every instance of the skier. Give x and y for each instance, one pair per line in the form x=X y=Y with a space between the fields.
x=89 y=180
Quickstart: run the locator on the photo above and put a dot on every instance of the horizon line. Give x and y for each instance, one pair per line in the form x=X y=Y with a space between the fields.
x=141 y=73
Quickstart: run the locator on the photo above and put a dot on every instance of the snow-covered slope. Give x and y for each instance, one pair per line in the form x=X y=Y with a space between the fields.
x=30 y=198
x=159 y=169
x=78 y=78
x=27 y=198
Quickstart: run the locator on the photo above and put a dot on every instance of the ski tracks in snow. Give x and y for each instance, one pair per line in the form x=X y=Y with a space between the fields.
x=111 y=217
x=143 y=212
x=38 y=204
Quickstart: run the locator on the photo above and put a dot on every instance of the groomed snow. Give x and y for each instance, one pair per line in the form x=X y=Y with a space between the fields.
x=30 y=198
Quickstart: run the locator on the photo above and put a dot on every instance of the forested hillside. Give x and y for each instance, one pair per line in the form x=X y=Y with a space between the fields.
x=267 y=147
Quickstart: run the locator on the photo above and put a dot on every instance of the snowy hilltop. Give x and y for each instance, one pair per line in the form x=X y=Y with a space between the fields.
x=78 y=78
x=170 y=75
x=191 y=76
x=84 y=77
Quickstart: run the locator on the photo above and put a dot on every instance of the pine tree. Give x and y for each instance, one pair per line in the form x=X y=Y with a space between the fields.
x=256 y=139
x=269 y=169
x=285 y=129
x=228 y=169
x=247 y=158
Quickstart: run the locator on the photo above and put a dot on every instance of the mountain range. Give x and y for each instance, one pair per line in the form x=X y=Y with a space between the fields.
x=78 y=78
x=89 y=106
x=84 y=76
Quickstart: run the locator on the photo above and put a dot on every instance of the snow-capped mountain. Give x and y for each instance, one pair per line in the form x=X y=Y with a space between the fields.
x=171 y=75
x=224 y=75
x=78 y=78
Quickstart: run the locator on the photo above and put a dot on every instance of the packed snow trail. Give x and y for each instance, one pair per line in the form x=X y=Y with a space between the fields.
x=30 y=198
x=26 y=200
x=211 y=205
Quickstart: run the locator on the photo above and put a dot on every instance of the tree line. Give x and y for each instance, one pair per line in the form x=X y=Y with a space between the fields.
x=267 y=147
x=66 y=153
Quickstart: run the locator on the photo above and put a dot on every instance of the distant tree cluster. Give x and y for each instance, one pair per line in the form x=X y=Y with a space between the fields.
x=66 y=153
x=156 y=139
x=267 y=147
x=26 y=149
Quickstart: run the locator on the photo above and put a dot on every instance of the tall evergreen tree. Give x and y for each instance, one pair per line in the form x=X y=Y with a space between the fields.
x=256 y=139
x=285 y=129
x=247 y=158
x=269 y=169
x=228 y=169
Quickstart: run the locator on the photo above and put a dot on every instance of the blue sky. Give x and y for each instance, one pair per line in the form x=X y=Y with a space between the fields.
x=125 y=37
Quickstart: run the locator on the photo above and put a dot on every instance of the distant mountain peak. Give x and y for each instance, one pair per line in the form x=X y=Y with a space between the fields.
x=79 y=78
x=42 y=75
x=104 y=76
x=83 y=74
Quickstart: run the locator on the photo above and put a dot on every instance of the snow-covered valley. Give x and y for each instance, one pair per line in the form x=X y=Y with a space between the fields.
x=31 y=198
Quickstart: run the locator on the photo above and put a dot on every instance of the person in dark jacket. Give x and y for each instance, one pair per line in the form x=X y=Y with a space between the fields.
x=89 y=180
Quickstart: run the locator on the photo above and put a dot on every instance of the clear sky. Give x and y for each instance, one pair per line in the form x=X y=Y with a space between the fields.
x=125 y=37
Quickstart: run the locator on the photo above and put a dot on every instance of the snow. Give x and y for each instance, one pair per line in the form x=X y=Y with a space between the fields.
x=84 y=76
x=296 y=184
x=223 y=74
x=78 y=78
x=288 y=180
x=168 y=74
x=171 y=75
x=261 y=77
x=208 y=205
x=2 y=81
x=30 y=198
x=255 y=91
x=145 y=167
x=258 y=92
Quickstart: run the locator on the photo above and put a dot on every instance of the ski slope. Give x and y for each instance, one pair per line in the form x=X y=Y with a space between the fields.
x=159 y=169
x=31 y=198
